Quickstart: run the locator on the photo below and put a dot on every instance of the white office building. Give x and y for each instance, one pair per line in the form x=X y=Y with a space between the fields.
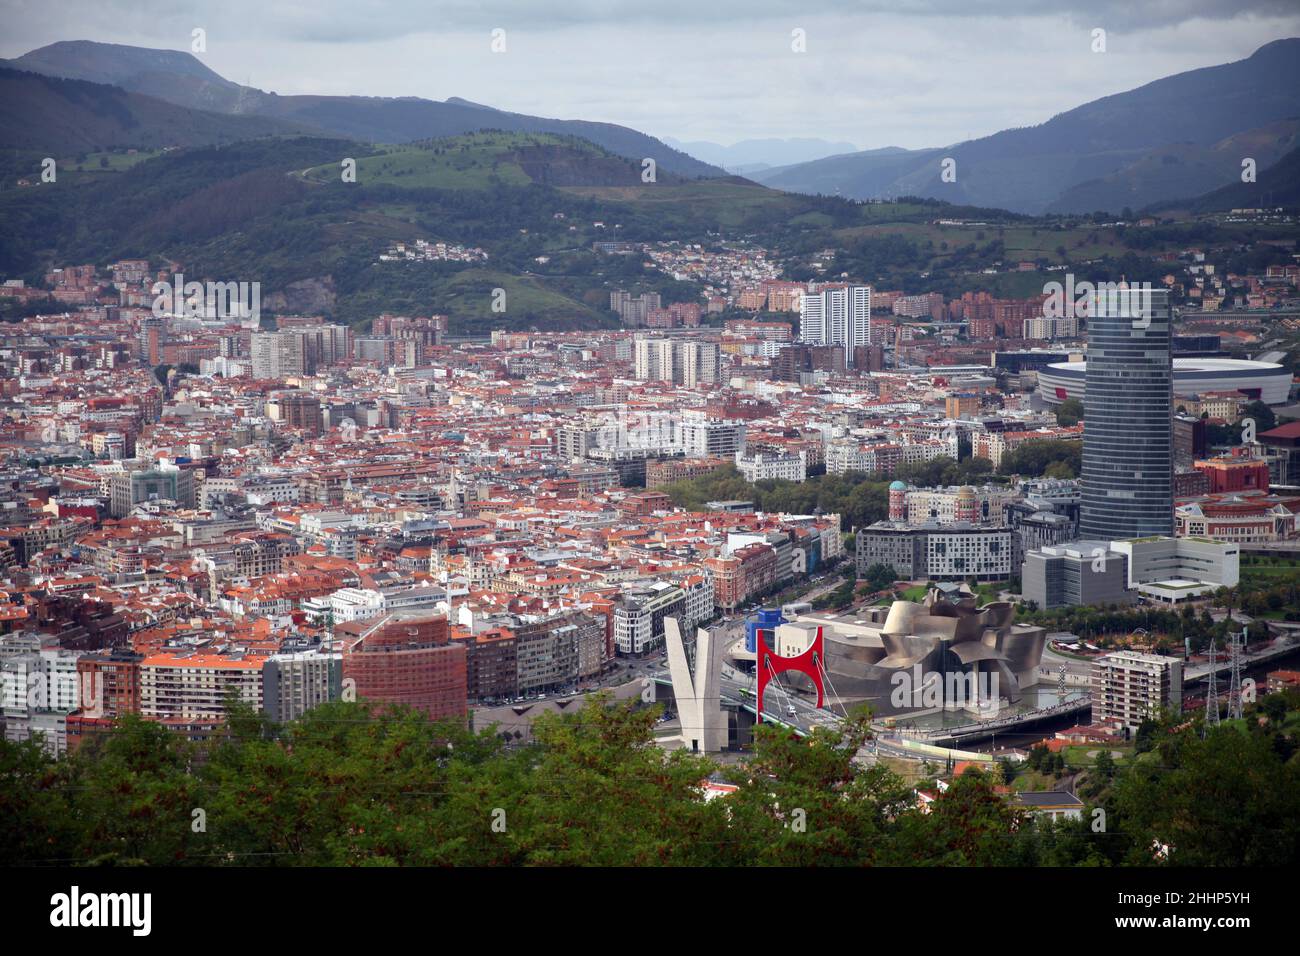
x=708 y=438
x=763 y=465
x=1174 y=570
x=956 y=553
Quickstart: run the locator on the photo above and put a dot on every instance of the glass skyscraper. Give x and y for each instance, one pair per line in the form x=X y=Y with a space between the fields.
x=1128 y=482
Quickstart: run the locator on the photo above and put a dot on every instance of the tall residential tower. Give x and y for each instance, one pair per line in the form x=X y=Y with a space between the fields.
x=840 y=315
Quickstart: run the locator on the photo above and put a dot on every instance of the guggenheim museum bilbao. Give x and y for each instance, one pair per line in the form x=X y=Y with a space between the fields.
x=868 y=649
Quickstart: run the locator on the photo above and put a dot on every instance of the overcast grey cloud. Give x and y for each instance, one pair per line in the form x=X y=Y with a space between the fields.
x=875 y=73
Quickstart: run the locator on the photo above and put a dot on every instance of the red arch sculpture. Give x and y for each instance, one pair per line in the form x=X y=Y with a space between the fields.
x=770 y=664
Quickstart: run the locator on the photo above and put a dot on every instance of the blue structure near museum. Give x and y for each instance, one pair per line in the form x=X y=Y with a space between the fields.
x=766 y=619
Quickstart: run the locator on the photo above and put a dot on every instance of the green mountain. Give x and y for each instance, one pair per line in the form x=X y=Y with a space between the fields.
x=492 y=158
x=277 y=211
x=519 y=212
x=1129 y=149
x=57 y=117
x=182 y=79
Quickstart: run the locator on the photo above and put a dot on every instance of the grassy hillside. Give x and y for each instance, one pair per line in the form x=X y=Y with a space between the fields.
x=276 y=211
x=491 y=158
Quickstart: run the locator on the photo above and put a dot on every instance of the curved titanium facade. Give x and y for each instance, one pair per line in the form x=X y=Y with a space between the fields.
x=1128 y=420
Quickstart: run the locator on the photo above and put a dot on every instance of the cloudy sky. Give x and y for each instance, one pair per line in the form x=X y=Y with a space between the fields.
x=875 y=73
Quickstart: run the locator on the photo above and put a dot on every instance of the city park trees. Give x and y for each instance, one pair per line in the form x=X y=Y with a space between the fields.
x=360 y=784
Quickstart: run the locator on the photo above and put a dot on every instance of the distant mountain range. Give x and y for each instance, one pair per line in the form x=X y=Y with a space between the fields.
x=1276 y=185
x=752 y=155
x=181 y=79
x=1176 y=137
x=61 y=117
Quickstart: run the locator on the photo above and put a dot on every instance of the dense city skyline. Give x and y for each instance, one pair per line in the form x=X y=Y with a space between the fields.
x=388 y=480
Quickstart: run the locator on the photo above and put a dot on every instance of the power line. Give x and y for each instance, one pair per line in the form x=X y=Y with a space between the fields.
x=1236 y=651
x=1212 y=691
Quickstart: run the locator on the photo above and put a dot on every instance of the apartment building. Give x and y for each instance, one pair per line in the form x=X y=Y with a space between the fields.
x=291 y=352
x=639 y=617
x=955 y=553
x=294 y=683
x=952 y=504
x=1128 y=688
x=681 y=361
x=769 y=465
x=409 y=661
x=277 y=355
x=665 y=471
x=748 y=571
x=839 y=315
x=634 y=311
x=297 y=410
x=881 y=458
x=935 y=552
x=554 y=651
x=706 y=438
x=39 y=687
x=699 y=606
x=197 y=684
x=491 y=663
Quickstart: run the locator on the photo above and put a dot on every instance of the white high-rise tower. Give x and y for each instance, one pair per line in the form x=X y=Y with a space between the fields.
x=837 y=316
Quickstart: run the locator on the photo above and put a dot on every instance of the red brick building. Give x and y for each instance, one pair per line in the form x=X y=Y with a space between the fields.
x=108 y=687
x=1234 y=473
x=750 y=570
x=758 y=567
x=727 y=582
x=110 y=683
x=408 y=661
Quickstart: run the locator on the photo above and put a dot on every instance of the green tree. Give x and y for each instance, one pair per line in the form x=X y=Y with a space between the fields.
x=1274 y=707
x=600 y=792
x=1069 y=412
x=1008 y=771
x=1104 y=765
x=137 y=798
x=1263 y=416
x=808 y=802
x=1226 y=800
x=39 y=822
x=1031 y=459
x=970 y=824
x=880 y=576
